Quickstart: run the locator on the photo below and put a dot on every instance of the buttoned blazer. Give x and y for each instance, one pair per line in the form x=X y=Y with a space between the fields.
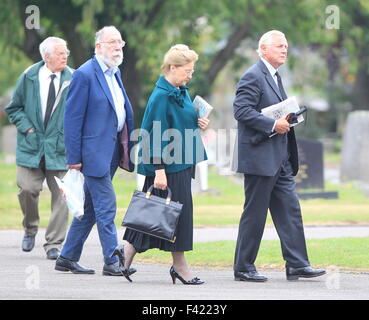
x=255 y=91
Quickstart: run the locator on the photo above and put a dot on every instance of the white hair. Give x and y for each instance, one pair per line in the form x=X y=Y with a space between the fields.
x=267 y=38
x=48 y=44
x=99 y=36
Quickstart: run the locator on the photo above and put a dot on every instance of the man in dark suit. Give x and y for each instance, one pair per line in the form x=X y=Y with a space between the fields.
x=269 y=165
x=97 y=124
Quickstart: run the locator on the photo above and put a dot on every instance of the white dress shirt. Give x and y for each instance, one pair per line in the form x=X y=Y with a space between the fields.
x=44 y=81
x=272 y=72
x=115 y=91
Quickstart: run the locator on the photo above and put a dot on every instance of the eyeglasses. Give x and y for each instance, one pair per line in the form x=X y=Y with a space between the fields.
x=189 y=71
x=61 y=54
x=119 y=43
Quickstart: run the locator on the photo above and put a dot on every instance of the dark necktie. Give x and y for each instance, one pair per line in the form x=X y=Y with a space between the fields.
x=50 y=100
x=280 y=86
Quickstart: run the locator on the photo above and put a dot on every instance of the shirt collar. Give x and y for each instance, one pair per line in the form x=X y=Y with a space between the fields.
x=271 y=69
x=46 y=72
x=105 y=69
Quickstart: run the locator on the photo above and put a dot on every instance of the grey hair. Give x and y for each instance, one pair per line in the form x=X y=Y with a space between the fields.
x=99 y=36
x=267 y=38
x=48 y=44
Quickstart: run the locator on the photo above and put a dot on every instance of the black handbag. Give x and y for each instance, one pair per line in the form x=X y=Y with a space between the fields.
x=155 y=216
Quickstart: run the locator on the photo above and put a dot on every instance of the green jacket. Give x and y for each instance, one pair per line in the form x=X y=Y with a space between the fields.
x=169 y=132
x=24 y=110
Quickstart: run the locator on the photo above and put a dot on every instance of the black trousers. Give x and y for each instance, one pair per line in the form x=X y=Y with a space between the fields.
x=278 y=195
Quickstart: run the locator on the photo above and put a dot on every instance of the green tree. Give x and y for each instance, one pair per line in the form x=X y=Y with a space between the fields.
x=345 y=49
x=215 y=29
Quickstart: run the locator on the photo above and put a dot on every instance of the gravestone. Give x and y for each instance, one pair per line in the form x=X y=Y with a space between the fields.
x=311 y=171
x=355 y=148
x=8 y=143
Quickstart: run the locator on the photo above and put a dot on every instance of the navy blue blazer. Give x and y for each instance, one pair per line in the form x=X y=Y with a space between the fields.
x=90 y=122
x=255 y=91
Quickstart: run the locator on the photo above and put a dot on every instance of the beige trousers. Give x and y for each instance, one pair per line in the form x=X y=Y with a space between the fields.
x=29 y=181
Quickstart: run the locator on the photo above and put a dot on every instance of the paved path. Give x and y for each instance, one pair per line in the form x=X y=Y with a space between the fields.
x=31 y=276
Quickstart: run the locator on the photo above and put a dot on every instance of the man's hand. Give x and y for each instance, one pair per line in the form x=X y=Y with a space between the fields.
x=160 y=181
x=282 y=126
x=76 y=166
x=203 y=123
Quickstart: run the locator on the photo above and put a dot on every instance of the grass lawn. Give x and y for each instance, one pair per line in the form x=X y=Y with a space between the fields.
x=221 y=206
x=342 y=253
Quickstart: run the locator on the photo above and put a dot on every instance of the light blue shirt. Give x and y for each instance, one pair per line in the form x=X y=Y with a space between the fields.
x=115 y=91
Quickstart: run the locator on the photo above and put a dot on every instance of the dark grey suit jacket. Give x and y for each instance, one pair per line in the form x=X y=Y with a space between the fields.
x=255 y=91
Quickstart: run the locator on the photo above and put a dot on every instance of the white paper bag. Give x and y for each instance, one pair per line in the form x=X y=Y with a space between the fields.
x=71 y=187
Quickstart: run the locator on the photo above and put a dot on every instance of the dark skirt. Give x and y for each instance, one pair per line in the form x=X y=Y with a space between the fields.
x=180 y=185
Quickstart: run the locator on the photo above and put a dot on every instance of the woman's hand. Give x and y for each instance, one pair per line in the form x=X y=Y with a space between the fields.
x=203 y=123
x=160 y=181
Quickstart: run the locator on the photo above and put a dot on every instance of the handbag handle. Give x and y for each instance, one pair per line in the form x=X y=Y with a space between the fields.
x=169 y=196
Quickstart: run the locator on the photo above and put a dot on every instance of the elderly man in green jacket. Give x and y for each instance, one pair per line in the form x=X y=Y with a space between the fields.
x=37 y=110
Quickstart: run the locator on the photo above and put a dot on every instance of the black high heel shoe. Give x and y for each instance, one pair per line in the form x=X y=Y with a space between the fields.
x=175 y=275
x=119 y=251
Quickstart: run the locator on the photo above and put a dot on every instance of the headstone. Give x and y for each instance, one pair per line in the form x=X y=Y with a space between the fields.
x=355 y=148
x=8 y=139
x=310 y=173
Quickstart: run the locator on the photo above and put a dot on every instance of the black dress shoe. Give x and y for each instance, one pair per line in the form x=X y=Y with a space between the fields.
x=253 y=276
x=112 y=270
x=115 y=269
x=63 y=264
x=28 y=243
x=304 y=272
x=131 y=271
x=52 y=254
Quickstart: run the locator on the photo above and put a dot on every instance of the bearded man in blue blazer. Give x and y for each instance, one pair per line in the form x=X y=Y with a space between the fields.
x=98 y=121
x=268 y=165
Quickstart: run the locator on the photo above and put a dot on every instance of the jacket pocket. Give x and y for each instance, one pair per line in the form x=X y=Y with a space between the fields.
x=28 y=142
x=60 y=145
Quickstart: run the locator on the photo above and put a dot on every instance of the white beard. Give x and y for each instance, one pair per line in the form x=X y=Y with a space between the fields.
x=114 y=61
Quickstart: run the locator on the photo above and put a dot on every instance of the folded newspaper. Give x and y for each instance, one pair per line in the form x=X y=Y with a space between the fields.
x=202 y=108
x=282 y=109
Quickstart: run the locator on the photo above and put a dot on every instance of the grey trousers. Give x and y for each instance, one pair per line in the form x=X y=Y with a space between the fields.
x=29 y=181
